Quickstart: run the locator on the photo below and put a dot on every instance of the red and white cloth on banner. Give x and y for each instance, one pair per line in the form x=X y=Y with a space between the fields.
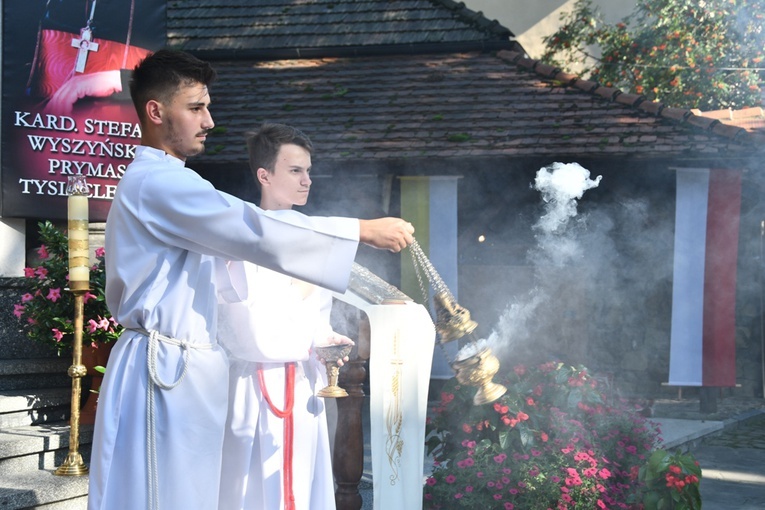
x=57 y=59
x=703 y=341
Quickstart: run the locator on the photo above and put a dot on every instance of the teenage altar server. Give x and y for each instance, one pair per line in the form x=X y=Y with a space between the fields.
x=276 y=453
x=162 y=408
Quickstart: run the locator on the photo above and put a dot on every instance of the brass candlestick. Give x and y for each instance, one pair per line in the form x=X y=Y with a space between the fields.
x=452 y=323
x=330 y=354
x=79 y=283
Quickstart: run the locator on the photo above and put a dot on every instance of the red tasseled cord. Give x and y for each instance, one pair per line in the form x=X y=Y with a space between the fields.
x=286 y=415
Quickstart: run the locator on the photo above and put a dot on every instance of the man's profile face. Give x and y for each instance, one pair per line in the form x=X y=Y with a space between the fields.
x=186 y=121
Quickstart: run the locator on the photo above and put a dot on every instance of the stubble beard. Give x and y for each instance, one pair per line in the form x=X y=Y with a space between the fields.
x=180 y=145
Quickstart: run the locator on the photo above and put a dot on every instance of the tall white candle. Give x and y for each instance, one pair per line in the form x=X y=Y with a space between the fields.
x=78 y=207
x=79 y=252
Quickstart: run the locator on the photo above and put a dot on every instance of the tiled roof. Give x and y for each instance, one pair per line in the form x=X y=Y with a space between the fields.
x=731 y=130
x=751 y=119
x=278 y=27
x=370 y=79
x=454 y=106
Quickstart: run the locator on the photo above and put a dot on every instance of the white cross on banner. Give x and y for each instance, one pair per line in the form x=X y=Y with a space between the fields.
x=84 y=44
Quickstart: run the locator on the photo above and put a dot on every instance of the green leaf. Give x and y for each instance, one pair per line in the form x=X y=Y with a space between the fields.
x=526 y=437
x=504 y=439
x=574 y=398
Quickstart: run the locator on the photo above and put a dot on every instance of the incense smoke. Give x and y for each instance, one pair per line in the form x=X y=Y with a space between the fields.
x=559 y=250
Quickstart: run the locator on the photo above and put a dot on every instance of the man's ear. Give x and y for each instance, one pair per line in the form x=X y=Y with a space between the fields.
x=154 y=111
x=263 y=176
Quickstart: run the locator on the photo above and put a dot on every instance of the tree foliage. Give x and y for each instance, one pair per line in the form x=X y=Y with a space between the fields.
x=705 y=54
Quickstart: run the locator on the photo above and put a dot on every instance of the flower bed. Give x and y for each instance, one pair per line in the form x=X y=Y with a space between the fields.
x=47 y=308
x=553 y=441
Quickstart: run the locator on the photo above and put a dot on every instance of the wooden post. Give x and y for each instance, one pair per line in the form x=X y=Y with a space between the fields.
x=708 y=399
x=348 y=456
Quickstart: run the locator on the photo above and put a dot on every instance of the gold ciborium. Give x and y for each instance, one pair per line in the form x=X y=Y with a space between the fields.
x=330 y=354
x=479 y=370
x=453 y=322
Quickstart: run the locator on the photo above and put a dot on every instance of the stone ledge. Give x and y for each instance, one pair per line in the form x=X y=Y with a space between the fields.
x=35 y=366
x=39 y=438
x=40 y=488
x=20 y=400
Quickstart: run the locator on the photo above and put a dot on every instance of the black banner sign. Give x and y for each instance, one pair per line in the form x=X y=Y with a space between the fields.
x=66 y=106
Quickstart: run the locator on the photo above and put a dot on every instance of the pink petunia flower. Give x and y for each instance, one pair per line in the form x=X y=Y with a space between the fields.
x=57 y=335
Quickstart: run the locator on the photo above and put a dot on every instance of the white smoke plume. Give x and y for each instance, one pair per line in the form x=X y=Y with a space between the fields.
x=558 y=246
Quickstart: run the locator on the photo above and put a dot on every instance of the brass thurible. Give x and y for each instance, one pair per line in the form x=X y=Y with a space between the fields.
x=79 y=284
x=479 y=370
x=453 y=322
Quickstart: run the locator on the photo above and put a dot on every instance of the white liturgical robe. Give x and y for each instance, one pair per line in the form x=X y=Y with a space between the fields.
x=166 y=235
x=279 y=322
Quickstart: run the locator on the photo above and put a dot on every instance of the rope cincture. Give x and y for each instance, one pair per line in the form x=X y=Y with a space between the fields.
x=154 y=337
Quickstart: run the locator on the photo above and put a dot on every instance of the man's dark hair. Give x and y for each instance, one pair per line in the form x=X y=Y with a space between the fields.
x=160 y=75
x=263 y=145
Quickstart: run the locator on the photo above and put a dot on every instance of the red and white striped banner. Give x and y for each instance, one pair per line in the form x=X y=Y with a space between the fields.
x=703 y=341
